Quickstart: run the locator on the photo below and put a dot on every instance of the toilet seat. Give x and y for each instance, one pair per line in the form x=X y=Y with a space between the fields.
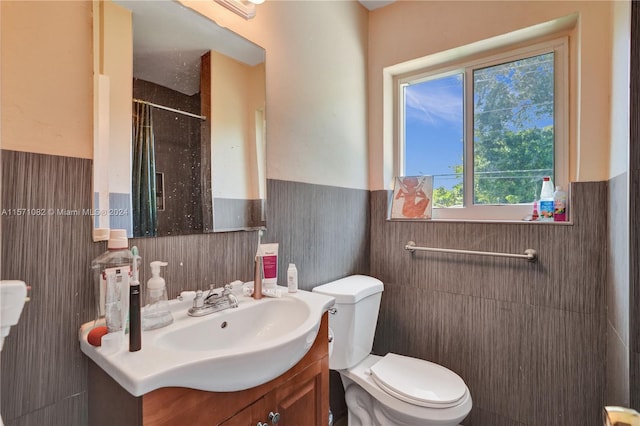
x=418 y=382
x=402 y=412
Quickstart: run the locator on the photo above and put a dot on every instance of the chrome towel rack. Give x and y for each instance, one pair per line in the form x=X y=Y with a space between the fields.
x=529 y=254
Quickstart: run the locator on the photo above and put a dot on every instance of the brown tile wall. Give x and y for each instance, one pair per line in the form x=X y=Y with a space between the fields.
x=324 y=230
x=43 y=371
x=527 y=338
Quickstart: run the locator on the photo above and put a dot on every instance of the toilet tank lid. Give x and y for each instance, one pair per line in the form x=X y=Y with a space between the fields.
x=351 y=289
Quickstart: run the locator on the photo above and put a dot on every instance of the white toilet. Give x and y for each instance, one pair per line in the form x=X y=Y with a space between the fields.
x=389 y=390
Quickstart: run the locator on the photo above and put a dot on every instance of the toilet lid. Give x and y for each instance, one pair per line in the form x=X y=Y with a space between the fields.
x=418 y=382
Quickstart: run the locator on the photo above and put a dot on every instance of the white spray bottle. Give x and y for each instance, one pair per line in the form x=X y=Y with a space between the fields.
x=156 y=312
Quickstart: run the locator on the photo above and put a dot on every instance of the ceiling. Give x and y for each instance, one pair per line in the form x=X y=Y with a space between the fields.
x=169 y=38
x=375 y=4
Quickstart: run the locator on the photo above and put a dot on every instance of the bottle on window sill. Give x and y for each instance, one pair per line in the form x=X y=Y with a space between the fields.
x=559 y=205
x=545 y=206
x=534 y=215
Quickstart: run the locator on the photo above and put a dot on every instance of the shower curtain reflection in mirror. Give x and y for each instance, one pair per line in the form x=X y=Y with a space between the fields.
x=145 y=214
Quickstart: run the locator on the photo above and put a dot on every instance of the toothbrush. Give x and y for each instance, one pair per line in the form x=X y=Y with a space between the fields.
x=260 y=232
x=136 y=258
x=257 y=271
x=135 y=325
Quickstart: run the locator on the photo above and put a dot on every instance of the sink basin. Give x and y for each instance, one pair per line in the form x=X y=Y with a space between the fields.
x=253 y=326
x=231 y=350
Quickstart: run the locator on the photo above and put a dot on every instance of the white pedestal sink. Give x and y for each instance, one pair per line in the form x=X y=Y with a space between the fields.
x=231 y=350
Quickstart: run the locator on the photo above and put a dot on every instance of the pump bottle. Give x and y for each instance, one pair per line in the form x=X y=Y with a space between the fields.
x=156 y=313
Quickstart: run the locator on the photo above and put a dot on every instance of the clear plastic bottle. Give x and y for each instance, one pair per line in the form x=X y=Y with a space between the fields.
x=545 y=205
x=156 y=313
x=111 y=274
x=559 y=205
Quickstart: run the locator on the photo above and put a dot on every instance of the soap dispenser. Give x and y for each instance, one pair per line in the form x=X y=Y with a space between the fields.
x=156 y=312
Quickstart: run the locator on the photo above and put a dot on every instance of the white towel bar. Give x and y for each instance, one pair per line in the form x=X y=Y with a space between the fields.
x=530 y=254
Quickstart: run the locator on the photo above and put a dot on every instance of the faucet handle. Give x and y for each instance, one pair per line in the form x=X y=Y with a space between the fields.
x=198 y=301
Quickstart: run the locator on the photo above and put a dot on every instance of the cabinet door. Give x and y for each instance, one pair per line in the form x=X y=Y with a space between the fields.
x=302 y=400
x=250 y=416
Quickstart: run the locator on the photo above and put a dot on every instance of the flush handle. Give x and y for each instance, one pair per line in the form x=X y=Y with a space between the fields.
x=332 y=311
x=274 y=417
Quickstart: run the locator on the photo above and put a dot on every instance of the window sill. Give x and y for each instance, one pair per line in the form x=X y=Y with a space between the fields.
x=506 y=214
x=496 y=221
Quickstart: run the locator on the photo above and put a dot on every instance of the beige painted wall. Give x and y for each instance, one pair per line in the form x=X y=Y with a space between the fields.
x=316 y=103
x=258 y=91
x=411 y=29
x=47 y=82
x=116 y=63
x=235 y=90
x=316 y=109
x=316 y=87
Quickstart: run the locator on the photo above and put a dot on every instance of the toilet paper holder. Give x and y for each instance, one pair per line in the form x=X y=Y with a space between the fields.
x=620 y=416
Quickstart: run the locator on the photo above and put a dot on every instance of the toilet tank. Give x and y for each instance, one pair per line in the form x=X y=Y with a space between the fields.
x=354 y=322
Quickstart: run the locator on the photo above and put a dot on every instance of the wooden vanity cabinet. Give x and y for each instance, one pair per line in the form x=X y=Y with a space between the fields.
x=300 y=397
x=252 y=415
x=300 y=401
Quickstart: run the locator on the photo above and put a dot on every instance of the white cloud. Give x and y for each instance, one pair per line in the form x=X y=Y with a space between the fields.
x=434 y=102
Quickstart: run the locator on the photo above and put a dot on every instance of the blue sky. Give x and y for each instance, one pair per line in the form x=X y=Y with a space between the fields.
x=434 y=126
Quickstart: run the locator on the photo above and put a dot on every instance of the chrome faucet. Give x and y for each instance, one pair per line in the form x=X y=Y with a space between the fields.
x=214 y=301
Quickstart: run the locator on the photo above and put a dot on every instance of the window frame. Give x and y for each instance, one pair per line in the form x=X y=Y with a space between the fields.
x=466 y=65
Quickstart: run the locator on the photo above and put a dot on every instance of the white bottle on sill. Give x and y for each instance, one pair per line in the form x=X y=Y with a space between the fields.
x=545 y=205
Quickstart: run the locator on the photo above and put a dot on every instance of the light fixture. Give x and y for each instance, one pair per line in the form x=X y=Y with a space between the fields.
x=244 y=8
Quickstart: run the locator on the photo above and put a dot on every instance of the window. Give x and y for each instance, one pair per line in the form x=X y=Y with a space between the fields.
x=488 y=130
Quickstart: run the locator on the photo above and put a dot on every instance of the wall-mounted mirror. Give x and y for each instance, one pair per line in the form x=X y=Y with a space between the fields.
x=180 y=122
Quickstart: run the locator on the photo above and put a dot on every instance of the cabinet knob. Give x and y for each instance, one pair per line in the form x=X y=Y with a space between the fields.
x=274 y=417
x=262 y=424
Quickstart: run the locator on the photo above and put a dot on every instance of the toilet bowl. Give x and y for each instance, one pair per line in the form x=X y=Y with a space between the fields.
x=390 y=390
x=416 y=405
